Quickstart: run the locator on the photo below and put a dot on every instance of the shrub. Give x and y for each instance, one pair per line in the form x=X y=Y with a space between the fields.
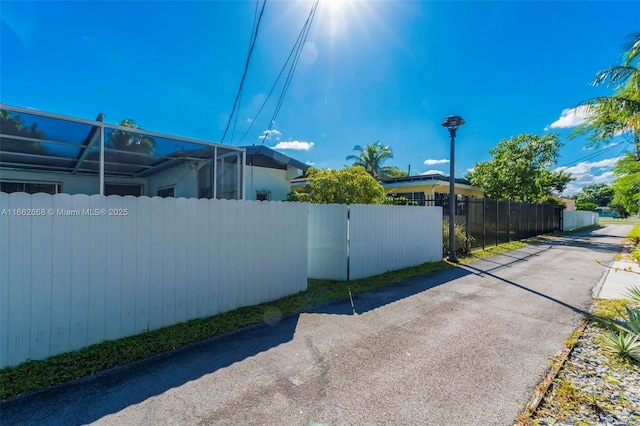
x=299 y=196
x=586 y=206
x=463 y=242
x=399 y=201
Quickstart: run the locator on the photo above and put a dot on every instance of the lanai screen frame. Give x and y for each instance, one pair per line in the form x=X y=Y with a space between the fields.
x=198 y=150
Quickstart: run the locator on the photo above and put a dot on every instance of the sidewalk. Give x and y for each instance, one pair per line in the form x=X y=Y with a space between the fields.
x=617 y=281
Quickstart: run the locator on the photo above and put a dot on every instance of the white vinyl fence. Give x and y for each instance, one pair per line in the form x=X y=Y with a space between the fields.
x=388 y=238
x=328 y=241
x=377 y=239
x=77 y=270
x=578 y=219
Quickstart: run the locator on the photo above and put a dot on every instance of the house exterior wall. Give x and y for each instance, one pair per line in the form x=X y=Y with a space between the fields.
x=182 y=177
x=262 y=178
x=433 y=188
x=69 y=183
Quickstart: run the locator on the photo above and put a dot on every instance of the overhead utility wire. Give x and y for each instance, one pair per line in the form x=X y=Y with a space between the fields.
x=295 y=63
x=294 y=53
x=284 y=67
x=251 y=38
x=624 y=149
x=244 y=74
x=590 y=156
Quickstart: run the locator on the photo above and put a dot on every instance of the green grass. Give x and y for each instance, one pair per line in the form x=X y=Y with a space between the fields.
x=635 y=232
x=33 y=375
x=630 y=220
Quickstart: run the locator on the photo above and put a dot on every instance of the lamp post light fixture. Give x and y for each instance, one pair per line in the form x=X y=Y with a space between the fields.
x=452 y=123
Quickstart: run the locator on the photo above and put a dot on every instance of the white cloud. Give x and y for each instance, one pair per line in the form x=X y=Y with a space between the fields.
x=269 y=134
x=432 y=172
x=434 y=162
x=588 y=173
x=570 y=117
x=297 y=145
x=470 y=170
x=309 y=163
x=249 y=120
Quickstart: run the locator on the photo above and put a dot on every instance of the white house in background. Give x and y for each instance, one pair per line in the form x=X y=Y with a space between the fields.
x=268 y=173
x=51 y=153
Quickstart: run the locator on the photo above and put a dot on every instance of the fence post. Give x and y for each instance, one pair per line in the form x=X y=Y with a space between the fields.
x=508 y=221
x=484 y=221
x=497 y=221
x=466 y=221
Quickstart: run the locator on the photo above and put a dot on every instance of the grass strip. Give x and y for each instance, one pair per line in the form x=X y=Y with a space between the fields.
x=34 y=375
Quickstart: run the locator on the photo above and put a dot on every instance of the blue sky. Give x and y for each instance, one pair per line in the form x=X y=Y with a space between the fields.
x=386 y=71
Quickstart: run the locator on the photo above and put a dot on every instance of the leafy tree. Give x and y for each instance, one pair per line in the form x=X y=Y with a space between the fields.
x=131 y=141
x=12 y=124
x=521 y=169
x=598 y=194
x=586 y=206
x=619 y=113
x=626 y=187
x=393 y=172
x=371 y=157
x=351 y=185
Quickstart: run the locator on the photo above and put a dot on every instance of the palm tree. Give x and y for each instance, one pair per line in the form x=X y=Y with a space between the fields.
x=131 y=141
x=609 y=116
x=371 y=158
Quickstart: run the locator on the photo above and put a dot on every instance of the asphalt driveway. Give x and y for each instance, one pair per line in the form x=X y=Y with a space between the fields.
x=461 y=346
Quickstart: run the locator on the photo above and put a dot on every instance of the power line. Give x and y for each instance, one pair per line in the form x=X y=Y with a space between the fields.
x=246 y=69
x=624 y=149
x=305 y=30
x=295 y=54
x=251 y=40
x=590 y=156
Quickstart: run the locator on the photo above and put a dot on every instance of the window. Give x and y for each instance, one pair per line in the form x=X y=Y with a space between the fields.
x=166 y=192
x=263 y=195
x=122 y=189
x=30 y=187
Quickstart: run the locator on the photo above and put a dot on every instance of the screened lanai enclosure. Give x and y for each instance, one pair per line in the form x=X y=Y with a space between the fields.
x=50 y=153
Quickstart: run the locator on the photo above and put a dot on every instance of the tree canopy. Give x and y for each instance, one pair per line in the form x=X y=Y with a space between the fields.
x=12 y=124
x=131 y=141
x=599 y=194
x=520 y=169
x=371 y=158
x=351 y=185
x=626 y=188
x=619 y=113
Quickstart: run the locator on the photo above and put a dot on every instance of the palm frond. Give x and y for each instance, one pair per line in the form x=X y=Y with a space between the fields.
x=616 y=75
x=632 y=48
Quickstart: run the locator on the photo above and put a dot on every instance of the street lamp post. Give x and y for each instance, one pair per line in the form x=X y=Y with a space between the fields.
x=452 y=123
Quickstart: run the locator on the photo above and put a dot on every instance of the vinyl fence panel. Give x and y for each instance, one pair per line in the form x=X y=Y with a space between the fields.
x=328 y=239
x=78 y=270
x=578 y=219
x=388 y=238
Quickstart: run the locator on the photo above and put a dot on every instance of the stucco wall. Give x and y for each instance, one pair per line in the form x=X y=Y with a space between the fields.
x=69 y=184
x=262 y=178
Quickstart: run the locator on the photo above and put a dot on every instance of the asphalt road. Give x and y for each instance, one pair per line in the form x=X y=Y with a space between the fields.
x=461 y=346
